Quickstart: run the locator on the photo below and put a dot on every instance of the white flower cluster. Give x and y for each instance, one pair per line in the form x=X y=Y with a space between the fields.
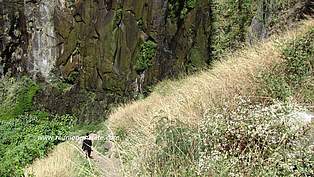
x=252 y=139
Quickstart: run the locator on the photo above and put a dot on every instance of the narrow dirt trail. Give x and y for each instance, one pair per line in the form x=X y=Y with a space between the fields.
x=67 y=160
x=108 y=165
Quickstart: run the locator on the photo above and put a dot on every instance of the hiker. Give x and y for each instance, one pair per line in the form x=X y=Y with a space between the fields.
x=87 y=146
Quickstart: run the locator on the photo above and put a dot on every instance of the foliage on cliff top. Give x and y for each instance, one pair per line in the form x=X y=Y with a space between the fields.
x=179 y=9
x=145 y=56
x=236 y=22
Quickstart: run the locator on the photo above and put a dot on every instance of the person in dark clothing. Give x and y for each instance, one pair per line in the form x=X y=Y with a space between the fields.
x=87 y=146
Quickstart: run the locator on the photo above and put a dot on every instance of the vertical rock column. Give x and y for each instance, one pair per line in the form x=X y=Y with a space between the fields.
x=42 y=48
x=13 y=37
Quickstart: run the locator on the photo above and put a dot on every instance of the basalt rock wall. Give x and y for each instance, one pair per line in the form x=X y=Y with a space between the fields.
x=120 y=46
x=13 y=37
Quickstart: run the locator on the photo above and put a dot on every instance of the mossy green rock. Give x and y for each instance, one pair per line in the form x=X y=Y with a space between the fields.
x=102 y=40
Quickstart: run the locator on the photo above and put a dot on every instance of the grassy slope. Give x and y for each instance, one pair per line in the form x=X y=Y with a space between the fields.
x=66 y=160
x=60 y=159
x=187 y=100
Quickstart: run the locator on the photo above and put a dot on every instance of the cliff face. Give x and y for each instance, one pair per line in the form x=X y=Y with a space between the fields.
x=106 y=45
x=43 y=49
x=28 y=38
x=13 y=37
x=121 y=45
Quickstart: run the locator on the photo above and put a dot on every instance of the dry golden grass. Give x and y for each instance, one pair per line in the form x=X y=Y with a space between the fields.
x=58 y=163
x=63 y=161
x=68 y=160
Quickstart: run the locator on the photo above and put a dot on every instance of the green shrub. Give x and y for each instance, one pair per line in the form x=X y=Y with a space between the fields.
x=307 y=91
x=21 y=125
x=25 y=97
x=21 y=143
x=17 y=96
x=179 y=9
x=298 y=57
x=73 y=76
x=62 y=85
x=230 y=26
x=232 y=20
x=146 y=54
x=276 y=86
x=295 y=74
x=191 y=4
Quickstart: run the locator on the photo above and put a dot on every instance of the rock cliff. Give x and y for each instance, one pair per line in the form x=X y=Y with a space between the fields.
x=122 y=45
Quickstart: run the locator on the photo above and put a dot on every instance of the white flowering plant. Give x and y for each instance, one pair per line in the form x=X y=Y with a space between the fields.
x=254 y=140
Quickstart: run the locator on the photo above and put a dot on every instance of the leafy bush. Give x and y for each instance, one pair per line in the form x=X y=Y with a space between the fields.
x=147 y=52
x=179 y=9
x=21 y=126
x=230 y=27
x=276 y=86
x=232 y=21
x=16 y=96
x=294 y=74
x=25 y=138
x=191 y=4
x=72 y=78
x=298 y=57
